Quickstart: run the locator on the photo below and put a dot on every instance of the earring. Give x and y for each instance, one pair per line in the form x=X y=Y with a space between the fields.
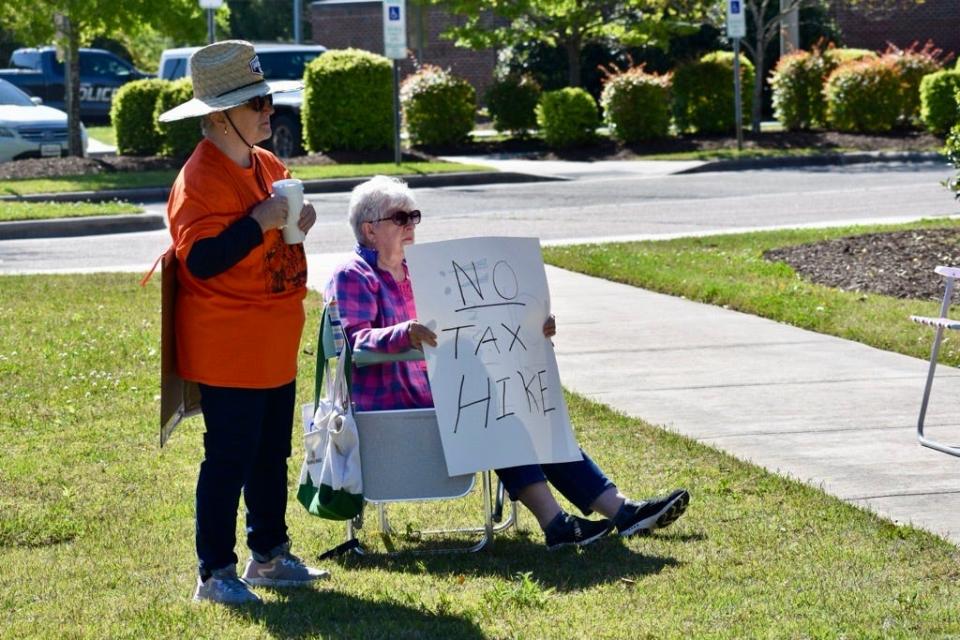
x=225 y=132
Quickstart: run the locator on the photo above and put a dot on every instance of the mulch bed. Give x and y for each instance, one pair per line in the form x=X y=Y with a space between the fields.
x=530 y=148
x=898 y=264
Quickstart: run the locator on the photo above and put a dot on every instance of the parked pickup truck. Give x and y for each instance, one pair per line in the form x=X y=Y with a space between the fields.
x=37 y=72
x=279 y=62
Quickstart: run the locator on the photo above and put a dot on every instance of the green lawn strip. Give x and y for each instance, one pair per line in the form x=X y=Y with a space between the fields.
x=131 y=180
x=751 y=154
x=10 y=211
x=730 y=270
x=320 y=172
x=87 y=496
x=106 y=135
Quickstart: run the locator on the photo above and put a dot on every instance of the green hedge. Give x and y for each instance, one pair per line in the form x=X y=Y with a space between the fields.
x=348 y=102
x=132 y=115
x=177 y=139
x=864 y=96
x=438 y=107
x=636 y=105
x=938 y=100
x=567 y=117
x=512 y=102
x=911 y=66
x=835 y=56
x=703 y=94
x=797 y=83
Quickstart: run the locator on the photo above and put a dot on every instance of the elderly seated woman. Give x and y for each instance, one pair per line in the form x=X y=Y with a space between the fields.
x=375 y=300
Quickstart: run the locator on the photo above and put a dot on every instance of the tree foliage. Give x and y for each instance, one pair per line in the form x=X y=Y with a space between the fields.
x=571 y=24
x=71 y=24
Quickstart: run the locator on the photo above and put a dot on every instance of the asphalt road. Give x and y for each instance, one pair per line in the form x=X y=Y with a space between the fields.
x=589 y=208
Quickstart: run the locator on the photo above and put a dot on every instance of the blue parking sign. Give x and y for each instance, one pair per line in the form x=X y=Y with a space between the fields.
x=734 y=6
x=394 y=13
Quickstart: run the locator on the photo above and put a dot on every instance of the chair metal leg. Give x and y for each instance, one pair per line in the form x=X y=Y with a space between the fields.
x=487 y=530
x=934 y=353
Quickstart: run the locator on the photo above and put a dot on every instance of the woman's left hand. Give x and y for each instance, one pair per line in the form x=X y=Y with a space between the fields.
x=308 y=216
x=550 y=326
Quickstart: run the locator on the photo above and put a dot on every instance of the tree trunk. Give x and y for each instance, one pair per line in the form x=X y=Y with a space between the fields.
x=572 y=47
x=71 y=79
x=756 y=107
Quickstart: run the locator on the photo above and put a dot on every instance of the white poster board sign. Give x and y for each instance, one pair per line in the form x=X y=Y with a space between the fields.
x=493 y=373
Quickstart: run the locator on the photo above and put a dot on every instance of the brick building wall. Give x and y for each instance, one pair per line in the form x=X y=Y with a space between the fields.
x=906 y=23
x=338 y=24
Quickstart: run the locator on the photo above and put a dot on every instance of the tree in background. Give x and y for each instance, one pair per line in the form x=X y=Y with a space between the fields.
x=764 y=19
x=266 y=20
x=70 y=24
x=571 y=25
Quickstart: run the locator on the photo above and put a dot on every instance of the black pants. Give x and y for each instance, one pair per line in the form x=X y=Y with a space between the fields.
x=246 y=447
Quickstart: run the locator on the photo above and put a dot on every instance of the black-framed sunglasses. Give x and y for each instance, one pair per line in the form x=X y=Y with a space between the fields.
x=260 y=103
x=402 y=218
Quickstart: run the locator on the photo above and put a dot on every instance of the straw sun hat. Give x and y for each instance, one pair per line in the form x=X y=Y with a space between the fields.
x=225 y=74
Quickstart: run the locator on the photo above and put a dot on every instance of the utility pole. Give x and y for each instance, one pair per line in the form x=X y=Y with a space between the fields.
x=789 y=27
x=297 y=16
x=210 y=6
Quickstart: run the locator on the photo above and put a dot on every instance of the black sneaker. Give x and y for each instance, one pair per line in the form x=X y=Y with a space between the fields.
x=655 y=513
x=566 y=529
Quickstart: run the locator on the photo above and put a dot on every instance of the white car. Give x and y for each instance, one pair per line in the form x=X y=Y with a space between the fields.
x=29 y=129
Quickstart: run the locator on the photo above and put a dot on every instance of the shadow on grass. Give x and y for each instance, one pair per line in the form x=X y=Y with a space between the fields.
x=302 y=613
x=566 y=569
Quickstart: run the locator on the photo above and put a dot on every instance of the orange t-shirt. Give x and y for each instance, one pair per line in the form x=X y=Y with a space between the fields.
x=240 y=328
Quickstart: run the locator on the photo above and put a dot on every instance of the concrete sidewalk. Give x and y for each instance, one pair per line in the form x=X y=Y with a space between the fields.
x=835 y=414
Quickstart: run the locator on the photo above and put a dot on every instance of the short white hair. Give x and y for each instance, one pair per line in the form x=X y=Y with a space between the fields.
x=376 y=197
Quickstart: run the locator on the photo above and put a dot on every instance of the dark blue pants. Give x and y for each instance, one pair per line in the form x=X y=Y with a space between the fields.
x=246 y=447
x=580 y=482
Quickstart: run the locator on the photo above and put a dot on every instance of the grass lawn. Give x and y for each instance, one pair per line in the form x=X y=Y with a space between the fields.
x=733 y=154
x=131 y=180
x=10 y=211
x=96 y=523
x=730 y=270
x=105 y=134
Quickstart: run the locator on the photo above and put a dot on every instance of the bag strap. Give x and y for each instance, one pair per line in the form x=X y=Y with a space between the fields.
x=323 y=357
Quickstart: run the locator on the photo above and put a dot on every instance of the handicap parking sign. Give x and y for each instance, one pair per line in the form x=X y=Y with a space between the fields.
x=734 y=6
x=394 y=13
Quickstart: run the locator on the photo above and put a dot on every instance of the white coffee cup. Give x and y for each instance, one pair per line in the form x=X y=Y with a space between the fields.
x=292 y=190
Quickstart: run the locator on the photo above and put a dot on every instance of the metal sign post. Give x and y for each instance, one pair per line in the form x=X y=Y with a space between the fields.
x=395 y=48
x=210 y=6
x=736 y=29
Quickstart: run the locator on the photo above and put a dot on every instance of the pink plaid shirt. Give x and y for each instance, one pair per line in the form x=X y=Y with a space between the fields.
x=375 y=311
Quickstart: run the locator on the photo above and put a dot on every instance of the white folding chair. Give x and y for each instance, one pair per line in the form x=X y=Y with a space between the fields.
x=940 y=323
x=401 y=457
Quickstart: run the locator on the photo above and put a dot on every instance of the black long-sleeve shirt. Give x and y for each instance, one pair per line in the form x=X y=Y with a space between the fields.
x=212 y=256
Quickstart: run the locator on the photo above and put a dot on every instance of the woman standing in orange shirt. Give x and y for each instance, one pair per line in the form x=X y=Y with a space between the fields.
x=239 y=316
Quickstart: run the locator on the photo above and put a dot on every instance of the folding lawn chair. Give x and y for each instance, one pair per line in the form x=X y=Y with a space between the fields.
x=941 y=323
x=401 y=455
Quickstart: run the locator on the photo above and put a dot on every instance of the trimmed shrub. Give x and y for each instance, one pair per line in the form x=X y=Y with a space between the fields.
x=864 y=97
x=703 y=94
x=912 y=65
x=348 y=102
x=938 y=100
x=438 y=107
x=177 y=139
x=636 y=105
x=797 y=83
x=835 y=57
x=132 y=115
x=567 y=117
x=512 y=102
